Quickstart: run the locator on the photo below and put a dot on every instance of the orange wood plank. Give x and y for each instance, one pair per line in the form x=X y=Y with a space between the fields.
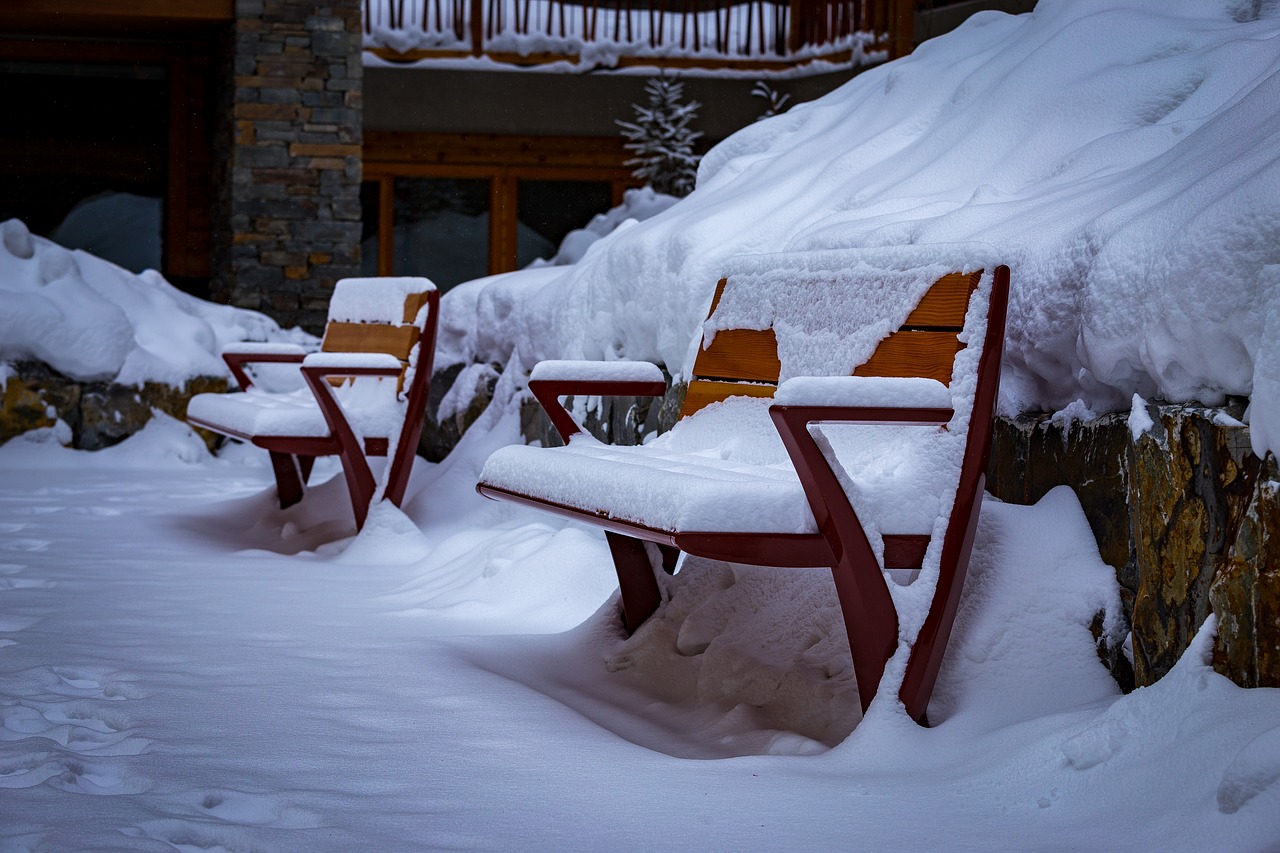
x=715 y=297
x=927 y=354
x=412 y=305
x=370 y=337
x=946 y=302
x=703 y=392
x=740 y=354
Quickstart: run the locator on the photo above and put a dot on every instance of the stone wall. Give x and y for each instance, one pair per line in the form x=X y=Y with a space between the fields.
x=1185 y=513
x=287 y=225
x=100 y=414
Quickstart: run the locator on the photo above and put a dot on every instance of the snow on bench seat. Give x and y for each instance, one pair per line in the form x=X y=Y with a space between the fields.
x=370 y=411
x=727 y=471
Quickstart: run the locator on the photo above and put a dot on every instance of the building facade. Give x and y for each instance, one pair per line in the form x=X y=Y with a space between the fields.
x=256 y=151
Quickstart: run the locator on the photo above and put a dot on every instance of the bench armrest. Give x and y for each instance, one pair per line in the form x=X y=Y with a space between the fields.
x=551 y=380
x=240 y=353
x=335 y=363
x=831 y=507
x=318 y=366
x=860 y=400
x=864 y=391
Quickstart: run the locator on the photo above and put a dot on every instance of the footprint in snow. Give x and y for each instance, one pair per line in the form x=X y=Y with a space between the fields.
x=11 y=624
x=100 y=511
x=1096 y=744
x=1255 y=769
x=195 y=835
x=25 y=583
x=96 y=778
x=246 y=809
x=79 y=727
x=52 y=683
x=29 y=546
x=68 y=773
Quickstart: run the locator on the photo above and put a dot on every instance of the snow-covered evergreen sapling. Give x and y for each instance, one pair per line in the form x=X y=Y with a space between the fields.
x=662 y=140
x=776 y=101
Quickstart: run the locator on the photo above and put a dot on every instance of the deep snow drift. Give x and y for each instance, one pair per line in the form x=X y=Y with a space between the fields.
x=1122 y=156
x=185 y=666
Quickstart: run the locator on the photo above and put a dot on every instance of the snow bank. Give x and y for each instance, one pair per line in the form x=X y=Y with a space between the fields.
x=92 y=320
x=1121 y=156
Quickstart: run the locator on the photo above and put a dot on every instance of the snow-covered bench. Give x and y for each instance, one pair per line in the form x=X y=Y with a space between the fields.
x=378 y=328
x=768 y=472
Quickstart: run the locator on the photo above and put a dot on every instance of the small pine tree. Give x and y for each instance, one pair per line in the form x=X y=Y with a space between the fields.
x=661 y=139
x=776 y=101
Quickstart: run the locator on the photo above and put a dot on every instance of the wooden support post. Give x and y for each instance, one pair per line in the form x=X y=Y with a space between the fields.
x=902 y=28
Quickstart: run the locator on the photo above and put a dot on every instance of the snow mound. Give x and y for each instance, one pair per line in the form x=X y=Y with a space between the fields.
x=163 y=442
x=92 y=320
x=1118 y=155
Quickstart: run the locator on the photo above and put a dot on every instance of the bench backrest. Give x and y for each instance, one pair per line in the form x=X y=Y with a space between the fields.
x=379 y=315
x=744 y=362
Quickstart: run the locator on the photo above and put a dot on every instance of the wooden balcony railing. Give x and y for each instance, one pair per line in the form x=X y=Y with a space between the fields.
x=743 y=34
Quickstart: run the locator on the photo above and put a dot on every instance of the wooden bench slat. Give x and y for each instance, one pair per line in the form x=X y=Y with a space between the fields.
x=413 y=304
x=715 y=297
x=740 y=354
x=704 y=392
x=903 y=354
x=945 y=304
x=370 y=337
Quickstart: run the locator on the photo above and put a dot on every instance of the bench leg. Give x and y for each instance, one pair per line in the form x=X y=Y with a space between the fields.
x=931 y=643
x=305 y=464
x=869 y=618
x=635 y=568
x=289 y=479
x=360 y=482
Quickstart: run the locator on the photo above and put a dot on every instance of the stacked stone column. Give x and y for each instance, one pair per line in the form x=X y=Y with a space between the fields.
x=289 y=200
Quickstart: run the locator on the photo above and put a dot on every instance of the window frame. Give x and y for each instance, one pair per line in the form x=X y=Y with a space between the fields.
x=502 y=160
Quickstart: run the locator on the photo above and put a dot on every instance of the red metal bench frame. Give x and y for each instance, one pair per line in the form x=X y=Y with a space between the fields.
x=870 y=618
x=292 y=456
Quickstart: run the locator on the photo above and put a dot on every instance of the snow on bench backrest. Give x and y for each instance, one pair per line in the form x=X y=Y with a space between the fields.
x=377 y=315
x=869 y=314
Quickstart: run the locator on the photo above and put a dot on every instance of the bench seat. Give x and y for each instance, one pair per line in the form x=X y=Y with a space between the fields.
x=671 y=486
x=255 y=413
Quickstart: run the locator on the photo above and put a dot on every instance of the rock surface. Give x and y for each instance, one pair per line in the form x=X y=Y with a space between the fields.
x=1184 y=512
x=100 y=414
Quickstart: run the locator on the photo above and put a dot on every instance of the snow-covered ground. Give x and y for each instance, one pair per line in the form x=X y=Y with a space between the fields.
x=185 y=666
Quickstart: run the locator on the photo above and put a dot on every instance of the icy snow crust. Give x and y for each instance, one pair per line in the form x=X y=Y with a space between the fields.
x=1120 y=155
x=91 y=320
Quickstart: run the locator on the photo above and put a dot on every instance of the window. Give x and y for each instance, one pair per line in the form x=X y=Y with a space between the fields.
x=455 y=208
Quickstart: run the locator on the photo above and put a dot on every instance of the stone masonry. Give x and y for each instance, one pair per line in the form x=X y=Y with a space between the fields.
x=289 y=184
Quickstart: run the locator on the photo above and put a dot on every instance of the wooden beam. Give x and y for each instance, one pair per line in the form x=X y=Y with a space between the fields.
x=52 y=16
x=491 y=150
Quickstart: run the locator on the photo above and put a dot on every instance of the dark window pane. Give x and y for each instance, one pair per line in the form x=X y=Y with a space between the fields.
x=548 y=210
x=370 y=217
x=441 y=229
